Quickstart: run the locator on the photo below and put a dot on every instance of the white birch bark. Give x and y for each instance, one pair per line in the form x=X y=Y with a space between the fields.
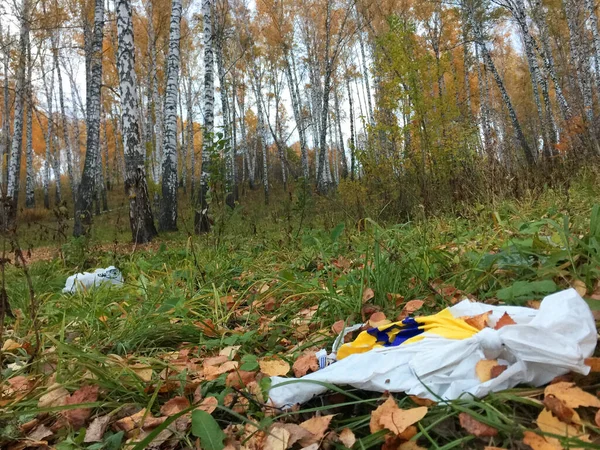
x=168 y=212
x=201 y=220
x=141 y=219
x=86 y=189
x=29 y=181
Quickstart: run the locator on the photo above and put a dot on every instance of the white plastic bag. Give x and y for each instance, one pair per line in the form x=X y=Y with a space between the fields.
x=86 y=280
x=542 y=345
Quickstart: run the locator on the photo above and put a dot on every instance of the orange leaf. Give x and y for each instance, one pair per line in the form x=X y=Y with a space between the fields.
x=368 y=294
x=338 y=327
x=497 y=370
x=411 y=307
x=385 y=408
x=239 y=378
x=209 y=404
x=475 y=427
x=421 y=401
x=400 y=419
x=594 y=363
x=479 y=321
x=560 y=410
x=307 y=362
x=317 y=426
x=483 y=369
x=77 y=417
x=504 y=321
x=174 y=406
x=377 y=319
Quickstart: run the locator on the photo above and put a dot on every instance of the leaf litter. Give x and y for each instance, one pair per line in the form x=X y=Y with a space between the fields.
x=201 y=384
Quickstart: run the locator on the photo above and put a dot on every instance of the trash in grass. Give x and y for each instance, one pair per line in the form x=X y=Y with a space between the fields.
x=110 y=275
x=447 y=355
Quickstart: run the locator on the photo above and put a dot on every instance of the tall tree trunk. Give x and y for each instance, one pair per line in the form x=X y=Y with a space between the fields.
x=260 y=131
x=168 y=212
x=297 y=110
x=248 y=151
x=63 y=116
x=190 y=134
x=352 y=137
x=322 y=175
x=29 y=182
x=50 y=157
x=5 y=138
x=85 y=192
x=141 y=219
x=21 y=89
x=581 y=66
x=183 y=140
x=342 y=151
x=201 y=219
x=529 y=157
x=590 y=7
x=484 y=101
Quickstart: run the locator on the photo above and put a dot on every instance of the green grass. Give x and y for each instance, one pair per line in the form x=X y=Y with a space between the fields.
x=500 y=251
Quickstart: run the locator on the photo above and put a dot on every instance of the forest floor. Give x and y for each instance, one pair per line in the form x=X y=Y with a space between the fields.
x=201 y=322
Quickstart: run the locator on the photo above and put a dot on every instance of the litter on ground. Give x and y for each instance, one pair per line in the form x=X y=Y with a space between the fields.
x=86 y=280
x=444 y=356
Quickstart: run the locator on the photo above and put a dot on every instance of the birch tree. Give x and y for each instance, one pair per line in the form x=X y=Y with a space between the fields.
x=21 y=88
x=168 y=212
x=86 y=189
x=140 y=212
x=201 y=219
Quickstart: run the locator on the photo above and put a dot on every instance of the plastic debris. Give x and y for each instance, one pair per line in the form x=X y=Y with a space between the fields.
x=435 y=357
x=86 y=280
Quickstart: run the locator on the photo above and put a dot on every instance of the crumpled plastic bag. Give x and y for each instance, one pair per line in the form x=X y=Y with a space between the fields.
x=542 y=345
x=110 y=275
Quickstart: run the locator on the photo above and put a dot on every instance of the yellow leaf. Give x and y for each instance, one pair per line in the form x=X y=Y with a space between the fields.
x=230 y=351
x=571 y=395
x=10 y=345
x=347 y=438
x=550 y=424
x=274 y=367
x=483 y=369
x=143 y=371
x=580 y=287
x=537 y=442
x=400 y=419
x=410 y=445
x=277 y=439
x=385 y=408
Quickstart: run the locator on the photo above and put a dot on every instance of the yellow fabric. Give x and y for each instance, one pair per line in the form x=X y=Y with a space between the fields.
x=443 y=324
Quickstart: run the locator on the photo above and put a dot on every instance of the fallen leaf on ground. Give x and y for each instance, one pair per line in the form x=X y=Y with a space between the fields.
x=561 y=410
x=389 y=415
x=209 y=404
x=277 y=439
x=77 y=417
x=213 y=372
x=377 y=319
x=597 y=418
x=410 y=445
x=96 y=429
x=143 y=371
x=307 y=362
x=131 y=422
x=484 y=368
x=537 y=442
x=479 y=321
x=10 y=345
x=56 y=395
x=240 y=378
x=594 y=364
x=504 y=321
x=296 y=432
x=580 y=287
x=347 y=438
x=419 y=401
x=338 y=327
x=230 y=351
x=411 y=307
x=40 y=433
x=571 y=395
x=274 y=367
x=475 y=427
x=368 y=294
x=551 y=425
x=174 y=406
x=317 y=426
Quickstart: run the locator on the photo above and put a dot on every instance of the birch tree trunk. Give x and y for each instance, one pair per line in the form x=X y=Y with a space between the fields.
x=323 y=180
x=29 y=182
x=168 y=212
x=201 y=219
x=85 y=191
x=63 y=116
x=183 y=140
x=342 y=151
x=141 y=219
x=14 y=164
x=297 y=110
x=591 y=10
x=5 y=138
x=190 y=135
x=352 y=138
x=581 y=67
x=260 y=131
